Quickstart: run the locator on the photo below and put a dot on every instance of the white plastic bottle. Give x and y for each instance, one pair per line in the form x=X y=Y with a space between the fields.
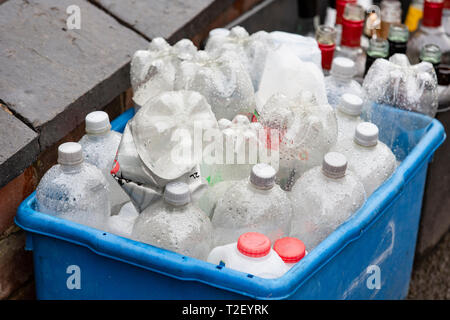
x=100 y=145
x=348 y=114
x=175 y=224
x=251 y=254
x=74 y=190
x=291 y=250
x=323 y=198
x=252 y=205
x=370 y=159
x=341 y=81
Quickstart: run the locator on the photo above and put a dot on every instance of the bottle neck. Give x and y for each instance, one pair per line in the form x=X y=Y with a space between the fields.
x=397 y=47
x=340 y=6
x=340 y=78
x=98 y=136
x=71 y=169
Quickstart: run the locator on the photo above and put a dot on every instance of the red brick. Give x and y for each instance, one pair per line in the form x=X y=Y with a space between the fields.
x=12 y=195
x=15 y=264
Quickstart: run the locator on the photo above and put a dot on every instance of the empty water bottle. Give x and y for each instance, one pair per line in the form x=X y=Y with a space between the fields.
x=348 y=114
x=251 y=254
x=74 y=190
x=100 y=146
x=323 y=198
x=370 y=159
x=175 y=224
x=341 y=81
x=252 y=205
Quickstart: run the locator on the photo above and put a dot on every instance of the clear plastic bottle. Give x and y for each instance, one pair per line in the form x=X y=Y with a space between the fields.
x=370 y=159
x=352 y=30
x=252 y=205
x=341 y=81
x=432 y=54
x=348 y=114
x=429 y=32
x=323 y=198
x=208 y=200
x=251 y=254
x=100 y=146
x=239 y=136
x=175 y=224
x=291 y=250
x=326 y=38
x=74 y=190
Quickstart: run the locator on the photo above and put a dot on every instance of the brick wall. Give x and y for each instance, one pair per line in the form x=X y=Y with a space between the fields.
x=16 y=265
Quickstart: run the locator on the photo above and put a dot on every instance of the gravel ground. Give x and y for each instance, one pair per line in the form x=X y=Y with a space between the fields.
x=431 y=274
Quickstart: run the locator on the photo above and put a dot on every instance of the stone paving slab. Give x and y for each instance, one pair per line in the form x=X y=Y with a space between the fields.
x=51 y=77
x=172 y=20
x=270 y=15
x=18 y=147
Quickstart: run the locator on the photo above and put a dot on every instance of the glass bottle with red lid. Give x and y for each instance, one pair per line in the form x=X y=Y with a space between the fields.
x=352 y=29
x=430 y=31
x=326 y=39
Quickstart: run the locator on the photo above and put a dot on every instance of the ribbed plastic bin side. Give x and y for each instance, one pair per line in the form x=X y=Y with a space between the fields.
x=368 y=257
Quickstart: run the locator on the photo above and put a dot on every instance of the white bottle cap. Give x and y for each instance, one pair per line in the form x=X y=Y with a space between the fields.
x=262 y=176
x=343 y=67
x=366 y=134
x=224 y=123
x=350 y=104
x=70 y=154
x=97 y=122
x=334 y=165
x=177 y=193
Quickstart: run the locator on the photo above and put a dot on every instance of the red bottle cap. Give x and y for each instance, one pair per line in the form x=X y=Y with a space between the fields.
x=340 y=6
x=253 y=244
x=351 y=32
x=327 y=55
x=291 y=250
x=432 y=13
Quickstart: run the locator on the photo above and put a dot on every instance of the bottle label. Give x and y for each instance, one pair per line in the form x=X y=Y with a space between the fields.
x=327 y=51
x=412 y=18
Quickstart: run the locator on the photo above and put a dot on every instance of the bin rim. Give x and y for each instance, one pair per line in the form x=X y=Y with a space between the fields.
x=190 y=269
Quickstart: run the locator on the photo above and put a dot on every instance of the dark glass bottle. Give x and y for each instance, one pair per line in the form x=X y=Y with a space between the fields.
x=398 y=39
x=378 y=48
x=432 y=54
x=308 y=17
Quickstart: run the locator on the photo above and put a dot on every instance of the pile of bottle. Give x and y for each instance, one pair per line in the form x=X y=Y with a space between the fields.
x=295 y=149
x=364 y=32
